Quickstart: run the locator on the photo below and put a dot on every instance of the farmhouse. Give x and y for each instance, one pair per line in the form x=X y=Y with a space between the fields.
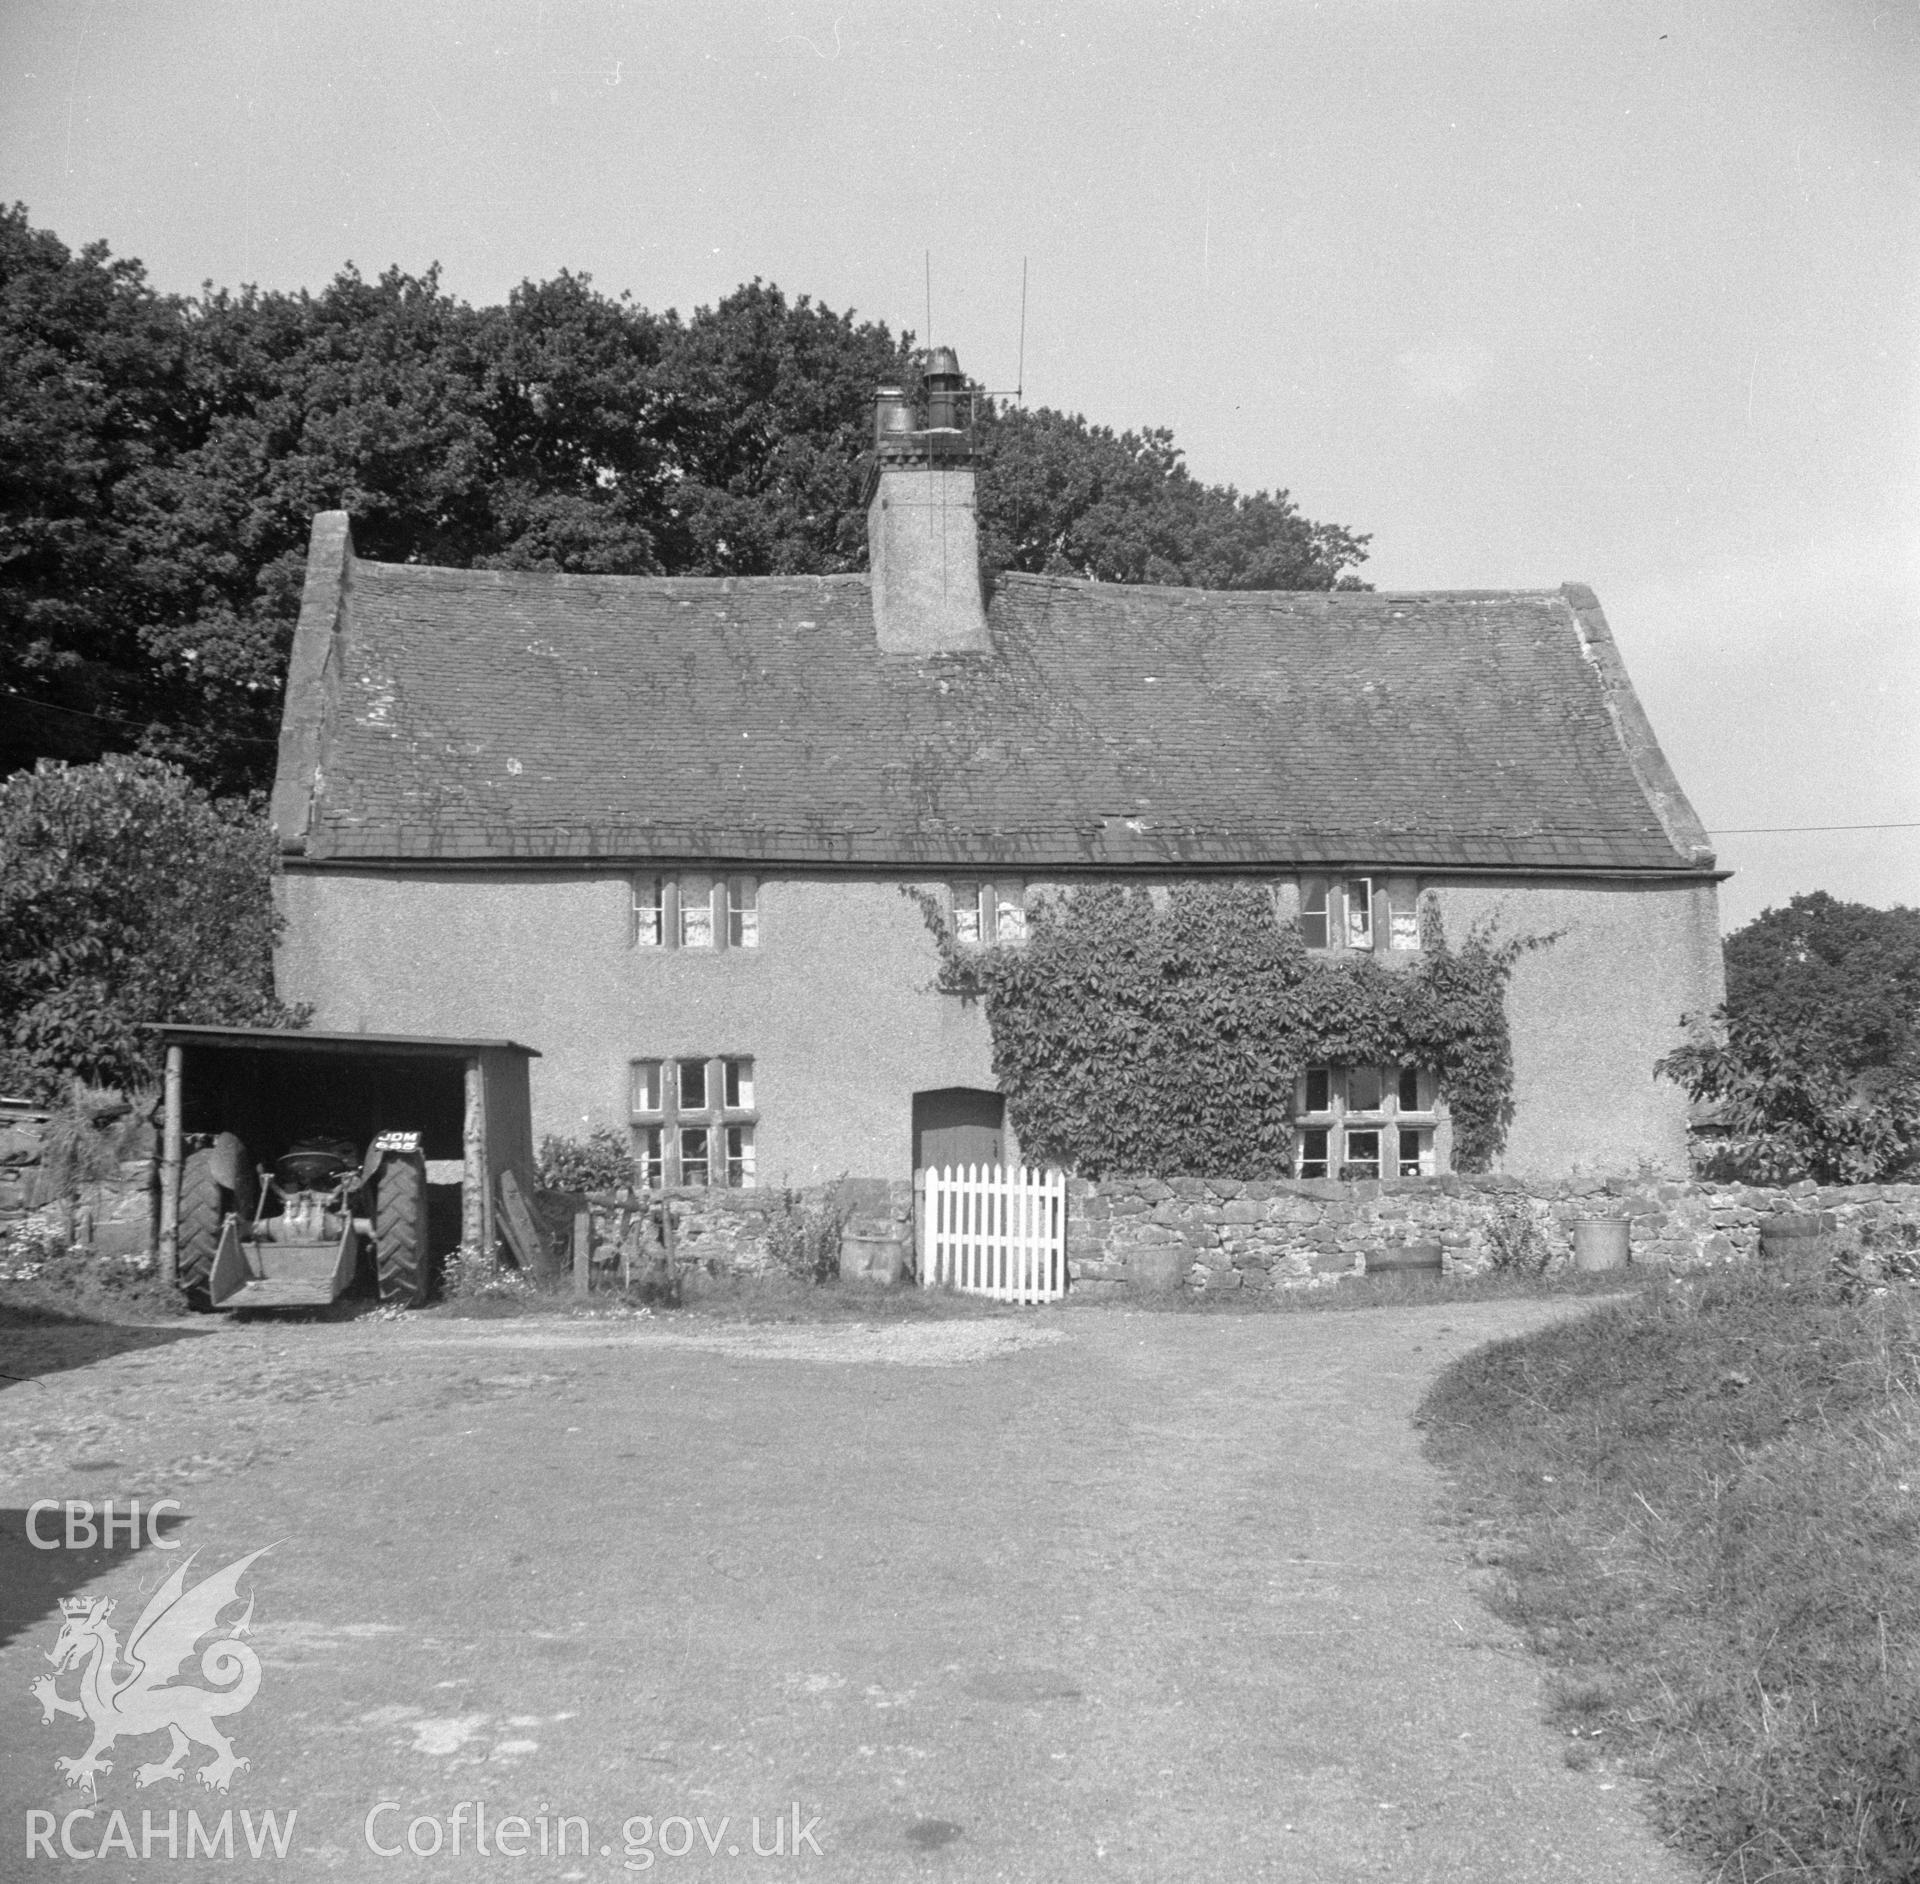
x=679 y=833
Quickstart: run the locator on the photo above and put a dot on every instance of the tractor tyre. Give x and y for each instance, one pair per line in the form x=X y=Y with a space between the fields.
x=400 y=1230
x=213 y=1182
x=203 y=1209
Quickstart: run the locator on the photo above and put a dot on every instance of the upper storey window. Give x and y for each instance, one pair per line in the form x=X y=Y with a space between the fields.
x=1360 y=912
x=979 y=914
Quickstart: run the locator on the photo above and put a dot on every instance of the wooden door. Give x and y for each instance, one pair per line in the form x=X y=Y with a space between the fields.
x=958 y=1126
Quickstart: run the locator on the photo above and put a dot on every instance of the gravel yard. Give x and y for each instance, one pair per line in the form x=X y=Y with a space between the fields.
x=1057 y=1596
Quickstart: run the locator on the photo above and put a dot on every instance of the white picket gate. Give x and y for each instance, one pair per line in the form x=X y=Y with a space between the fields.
x=989 y=1230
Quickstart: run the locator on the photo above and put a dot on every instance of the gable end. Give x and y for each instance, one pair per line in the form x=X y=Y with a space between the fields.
x=1634 y=730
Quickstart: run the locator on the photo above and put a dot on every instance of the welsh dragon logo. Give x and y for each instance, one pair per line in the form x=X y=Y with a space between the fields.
x=143 y=1700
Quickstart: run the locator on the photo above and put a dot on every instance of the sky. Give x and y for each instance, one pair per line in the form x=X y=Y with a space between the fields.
x=1624 y=292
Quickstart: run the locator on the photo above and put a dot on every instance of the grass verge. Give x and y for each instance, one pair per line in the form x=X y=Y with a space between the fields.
x=1703 y=1506
x=1401 y=1290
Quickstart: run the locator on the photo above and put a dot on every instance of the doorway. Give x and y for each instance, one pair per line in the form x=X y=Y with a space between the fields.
x=958 y=1125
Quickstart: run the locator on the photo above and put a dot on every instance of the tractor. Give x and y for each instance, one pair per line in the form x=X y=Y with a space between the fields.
x=293 y=1235
x=257 y=1211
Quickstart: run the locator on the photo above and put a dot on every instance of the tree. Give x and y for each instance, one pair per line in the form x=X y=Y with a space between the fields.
x=93 y=393
x=161 y=461
x=126 y=896
x=1813 y=1063
x=766 y=413
x=1061 y=497
x=370 y=396
x=579 y=474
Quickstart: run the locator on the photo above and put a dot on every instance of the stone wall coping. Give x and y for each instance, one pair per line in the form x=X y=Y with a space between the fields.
x=1649 y=1192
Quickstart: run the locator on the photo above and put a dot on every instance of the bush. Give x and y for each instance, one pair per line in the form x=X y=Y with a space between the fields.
x=1812 y=1066
x=126 y=896
x=1515 y=1244
x=87 y=1135
x=804 y=1239
x=1873 y=1258
x=470 y=1274
x=602 y=1161
x=27 y=1249
x=47 y=1275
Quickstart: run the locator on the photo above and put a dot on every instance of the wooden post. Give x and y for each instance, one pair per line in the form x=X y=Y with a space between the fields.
x=921 y=1248
x=582 y=1250
x=171 y=1141
x=476 y=1193
x=620 y=1239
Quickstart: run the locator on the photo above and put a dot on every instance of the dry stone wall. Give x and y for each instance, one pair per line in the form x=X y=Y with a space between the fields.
x=21 y=1129
x=1123 y=1233
x=1203 y=1234
x=112 y=1216
x=718 y=1233
x=1199 y=1234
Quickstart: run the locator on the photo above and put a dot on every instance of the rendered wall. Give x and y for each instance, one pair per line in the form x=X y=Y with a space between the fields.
x=836 y=1006
x=1591 y=1012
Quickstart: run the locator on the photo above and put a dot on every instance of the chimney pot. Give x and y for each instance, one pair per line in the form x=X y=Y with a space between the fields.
x=892 y=415
x=946 y=390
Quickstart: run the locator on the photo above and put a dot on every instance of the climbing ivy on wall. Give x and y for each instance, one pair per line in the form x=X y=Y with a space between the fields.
x=1165 y=1039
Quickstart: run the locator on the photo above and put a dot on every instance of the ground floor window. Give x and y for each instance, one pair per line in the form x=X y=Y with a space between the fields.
x=739 y=1143
x=1365 y=1122
x=693 y=1120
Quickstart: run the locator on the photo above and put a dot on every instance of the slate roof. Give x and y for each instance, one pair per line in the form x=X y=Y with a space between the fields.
x=475 y=716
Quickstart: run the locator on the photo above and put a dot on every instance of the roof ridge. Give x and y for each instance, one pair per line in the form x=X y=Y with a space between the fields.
x=1354 y=598
x=453 y=575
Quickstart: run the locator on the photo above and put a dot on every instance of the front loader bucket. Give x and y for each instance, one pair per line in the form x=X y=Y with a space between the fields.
x=259 y=1273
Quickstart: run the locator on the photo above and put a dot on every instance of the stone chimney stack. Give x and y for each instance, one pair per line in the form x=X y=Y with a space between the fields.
x=923 y=539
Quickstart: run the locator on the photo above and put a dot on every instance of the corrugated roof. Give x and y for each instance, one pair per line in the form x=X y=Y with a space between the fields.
x=477 y=715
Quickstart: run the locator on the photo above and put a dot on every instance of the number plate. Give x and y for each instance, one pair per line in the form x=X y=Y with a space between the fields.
x=397 y=1141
